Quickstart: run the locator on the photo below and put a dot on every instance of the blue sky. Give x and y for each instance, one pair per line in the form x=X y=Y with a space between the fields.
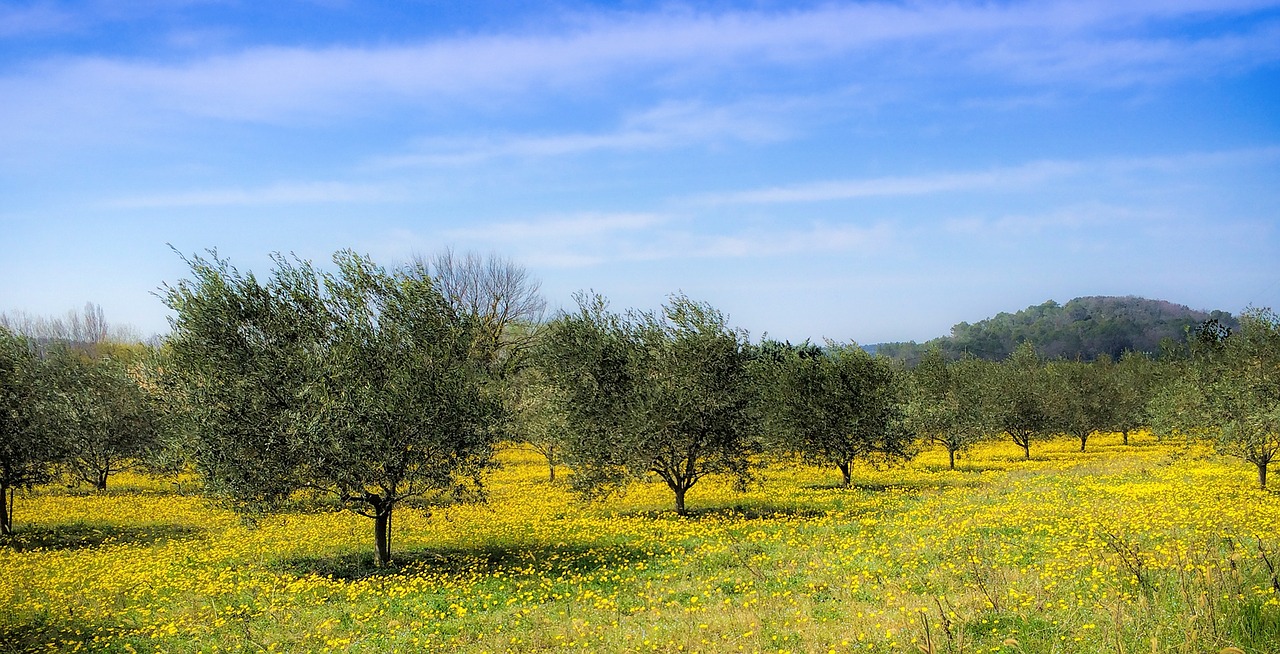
x=865 y=171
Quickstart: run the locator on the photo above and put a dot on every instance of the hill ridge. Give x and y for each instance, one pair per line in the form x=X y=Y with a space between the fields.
x=1082 y=328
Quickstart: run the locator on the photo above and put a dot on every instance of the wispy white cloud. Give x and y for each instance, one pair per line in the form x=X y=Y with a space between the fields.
x=1083 y=218
x=591 y=225
x=1010 y=179
x=1108 y=60
x=285 y=193
x=597 y=239
x=33 y=20
x=564 y=241
x=1091 y=43
x=669 y=125
x=1015 y=177
x=785 y=239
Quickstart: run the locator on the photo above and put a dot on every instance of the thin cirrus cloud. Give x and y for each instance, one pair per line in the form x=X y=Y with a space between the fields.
x=1006 y=179
x=1020 y=176
x=276 y=194
x=1081 y=218
x=32 y=21
x=1122 y=62
x=597 y=239
x=574 y=241
x=270 y=84
x=590 y=225
x=668 y=125
x=805 y=239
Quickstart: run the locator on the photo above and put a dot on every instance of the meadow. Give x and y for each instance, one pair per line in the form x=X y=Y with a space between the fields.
x=1151 y=547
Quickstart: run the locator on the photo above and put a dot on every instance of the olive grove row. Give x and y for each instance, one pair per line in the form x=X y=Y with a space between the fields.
x=374 y=387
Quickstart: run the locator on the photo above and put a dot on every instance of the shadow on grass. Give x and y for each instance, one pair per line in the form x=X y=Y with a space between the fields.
x=79 y=535
x=966 y=468
x=546 y=561
x=85 y=490
x=753 y=511
x=899 y=485
x=40 y=634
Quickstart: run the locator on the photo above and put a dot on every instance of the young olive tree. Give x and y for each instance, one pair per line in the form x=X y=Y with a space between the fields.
x=1136 y=377
x=1081 y=397
x=1017 y=397
x=948 y=403
x=665 y=393
x=840 y=406
x=536 y=415
x=1229 y=392
x=358 y=383
x=31 y=429
x=114 y=422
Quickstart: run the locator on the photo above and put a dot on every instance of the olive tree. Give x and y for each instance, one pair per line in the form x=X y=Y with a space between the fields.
x=1229 y=392
x=1017 y=397
x=1136 y=377
x=948 y=403
x=665 y=393
x=536 y=415
x=114 y=422
x=31 y=436
x=357 y=383
x=839 y=406
x=1081 y=397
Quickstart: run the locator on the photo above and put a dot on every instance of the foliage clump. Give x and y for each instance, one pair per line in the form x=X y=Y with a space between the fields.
x=666 y=393
x=359 y=384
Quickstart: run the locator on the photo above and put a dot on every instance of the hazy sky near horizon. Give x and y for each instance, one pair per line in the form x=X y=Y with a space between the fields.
x=866 y=171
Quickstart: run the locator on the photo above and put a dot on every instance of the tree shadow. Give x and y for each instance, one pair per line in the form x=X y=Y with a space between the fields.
x=870 y=486
x=728 y=512
x=897 y=485
x=87 y=490
x=515 y=561
x=79 y=535
x=40 y=634
x=967 y=468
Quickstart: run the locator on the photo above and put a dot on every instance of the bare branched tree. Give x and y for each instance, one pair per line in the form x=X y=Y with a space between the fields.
x=86 y=328
x=498 y=293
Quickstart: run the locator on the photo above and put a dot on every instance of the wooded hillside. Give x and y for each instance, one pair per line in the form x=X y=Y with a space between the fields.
x=1080 y=329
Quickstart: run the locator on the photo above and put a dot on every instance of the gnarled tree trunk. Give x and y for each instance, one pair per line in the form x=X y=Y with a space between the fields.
x=1025 y=443
x=381 y=528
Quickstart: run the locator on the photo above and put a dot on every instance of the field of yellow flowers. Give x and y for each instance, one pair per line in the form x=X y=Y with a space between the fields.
x=1152 y=547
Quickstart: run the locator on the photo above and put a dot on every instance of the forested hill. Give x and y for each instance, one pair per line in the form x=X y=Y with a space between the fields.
x=1082 y=328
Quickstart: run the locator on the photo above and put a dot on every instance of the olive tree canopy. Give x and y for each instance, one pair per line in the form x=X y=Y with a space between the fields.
x=1229 y=390
x=357 y=383
x=948 y=402
x=665 y=393
x=31 y=440
x=1017 y=400
x=837 y=405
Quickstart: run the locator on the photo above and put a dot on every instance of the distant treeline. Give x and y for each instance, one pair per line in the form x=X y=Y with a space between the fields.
x=1081 y=329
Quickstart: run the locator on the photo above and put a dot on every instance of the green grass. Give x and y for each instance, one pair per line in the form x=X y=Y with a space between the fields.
x=1007 y=556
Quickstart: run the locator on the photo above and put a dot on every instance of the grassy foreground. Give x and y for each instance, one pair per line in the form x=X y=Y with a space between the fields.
x=1147 y=548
